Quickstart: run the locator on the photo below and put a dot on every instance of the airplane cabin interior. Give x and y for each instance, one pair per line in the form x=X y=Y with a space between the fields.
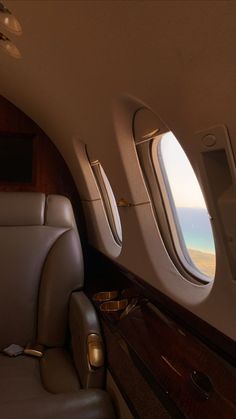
x=117 y=209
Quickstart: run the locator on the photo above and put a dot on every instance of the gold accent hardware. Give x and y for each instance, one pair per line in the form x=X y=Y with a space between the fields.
x=34 y=350
x=150 y=134
x=95 y=351
x=105 y=296
x=111 y=306
x=94 y=163
x=147 y=137
x=123 y=203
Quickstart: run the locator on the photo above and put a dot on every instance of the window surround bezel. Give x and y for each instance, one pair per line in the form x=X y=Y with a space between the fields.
x=164 y=209
x=97 y=171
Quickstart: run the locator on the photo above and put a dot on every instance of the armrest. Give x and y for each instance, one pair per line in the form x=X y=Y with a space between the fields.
x=86 y=341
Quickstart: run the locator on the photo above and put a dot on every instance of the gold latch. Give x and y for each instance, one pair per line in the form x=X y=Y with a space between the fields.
x=123 y=203
x=34 y=350
x=95 y=351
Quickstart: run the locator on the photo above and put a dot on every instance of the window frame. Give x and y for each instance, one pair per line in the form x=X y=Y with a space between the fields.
x=107 y=201
x=156 y=180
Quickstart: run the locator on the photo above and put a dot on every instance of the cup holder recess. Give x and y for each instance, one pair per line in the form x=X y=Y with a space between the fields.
x=116 y=301
x=113 y=306
x=105 y=296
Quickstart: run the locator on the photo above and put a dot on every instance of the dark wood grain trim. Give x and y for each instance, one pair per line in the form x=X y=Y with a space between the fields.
x=165 y=352
x=170 y=355
x=140 y=398
x=111 y=272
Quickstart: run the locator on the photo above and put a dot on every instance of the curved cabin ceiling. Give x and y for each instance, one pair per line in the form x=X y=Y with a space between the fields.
x=178 y=57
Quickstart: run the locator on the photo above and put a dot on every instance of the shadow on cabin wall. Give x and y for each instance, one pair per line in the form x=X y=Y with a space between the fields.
x=50 y=173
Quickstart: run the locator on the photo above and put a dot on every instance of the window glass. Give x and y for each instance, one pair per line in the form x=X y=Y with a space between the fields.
x=187 y=208
x=109 y=201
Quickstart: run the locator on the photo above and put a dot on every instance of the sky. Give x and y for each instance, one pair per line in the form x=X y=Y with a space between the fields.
x=183 y=182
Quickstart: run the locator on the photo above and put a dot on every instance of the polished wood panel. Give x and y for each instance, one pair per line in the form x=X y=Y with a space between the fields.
x=171 y=355
x=111 y=274
x=165 y=351
x=13 y=120
x=50 y=173
x=140 y=398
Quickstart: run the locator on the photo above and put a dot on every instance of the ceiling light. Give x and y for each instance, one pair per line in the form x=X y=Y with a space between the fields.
x=9 y=47
x=9 y=20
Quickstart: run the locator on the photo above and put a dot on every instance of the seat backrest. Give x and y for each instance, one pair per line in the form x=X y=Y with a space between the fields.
x=41 y=264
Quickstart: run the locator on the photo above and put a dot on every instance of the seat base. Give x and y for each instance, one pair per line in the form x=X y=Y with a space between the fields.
x=86 y=404
x=23 y=395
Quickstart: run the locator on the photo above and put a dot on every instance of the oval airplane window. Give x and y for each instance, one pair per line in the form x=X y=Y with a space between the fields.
x=186 y=209
x=108 y=201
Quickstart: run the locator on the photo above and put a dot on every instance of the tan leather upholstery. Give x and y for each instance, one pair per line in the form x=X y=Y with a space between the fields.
x=41 y=266
x=23 y=254
x=22 y=395
x=59 y=218
x=86 y=404
x=58 y=373
x=19 y=379
x=34 y=263
x=22 y=209
x=62 y=273
x=82 y=313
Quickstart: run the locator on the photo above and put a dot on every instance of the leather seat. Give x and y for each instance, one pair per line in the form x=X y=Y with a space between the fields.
x=42 y=302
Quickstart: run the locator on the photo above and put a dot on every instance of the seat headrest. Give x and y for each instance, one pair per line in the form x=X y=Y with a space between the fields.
x=21 y=208
x=35 y=209
x=59 y=212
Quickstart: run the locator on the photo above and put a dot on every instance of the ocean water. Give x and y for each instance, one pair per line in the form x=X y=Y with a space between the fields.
x=196 y=228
